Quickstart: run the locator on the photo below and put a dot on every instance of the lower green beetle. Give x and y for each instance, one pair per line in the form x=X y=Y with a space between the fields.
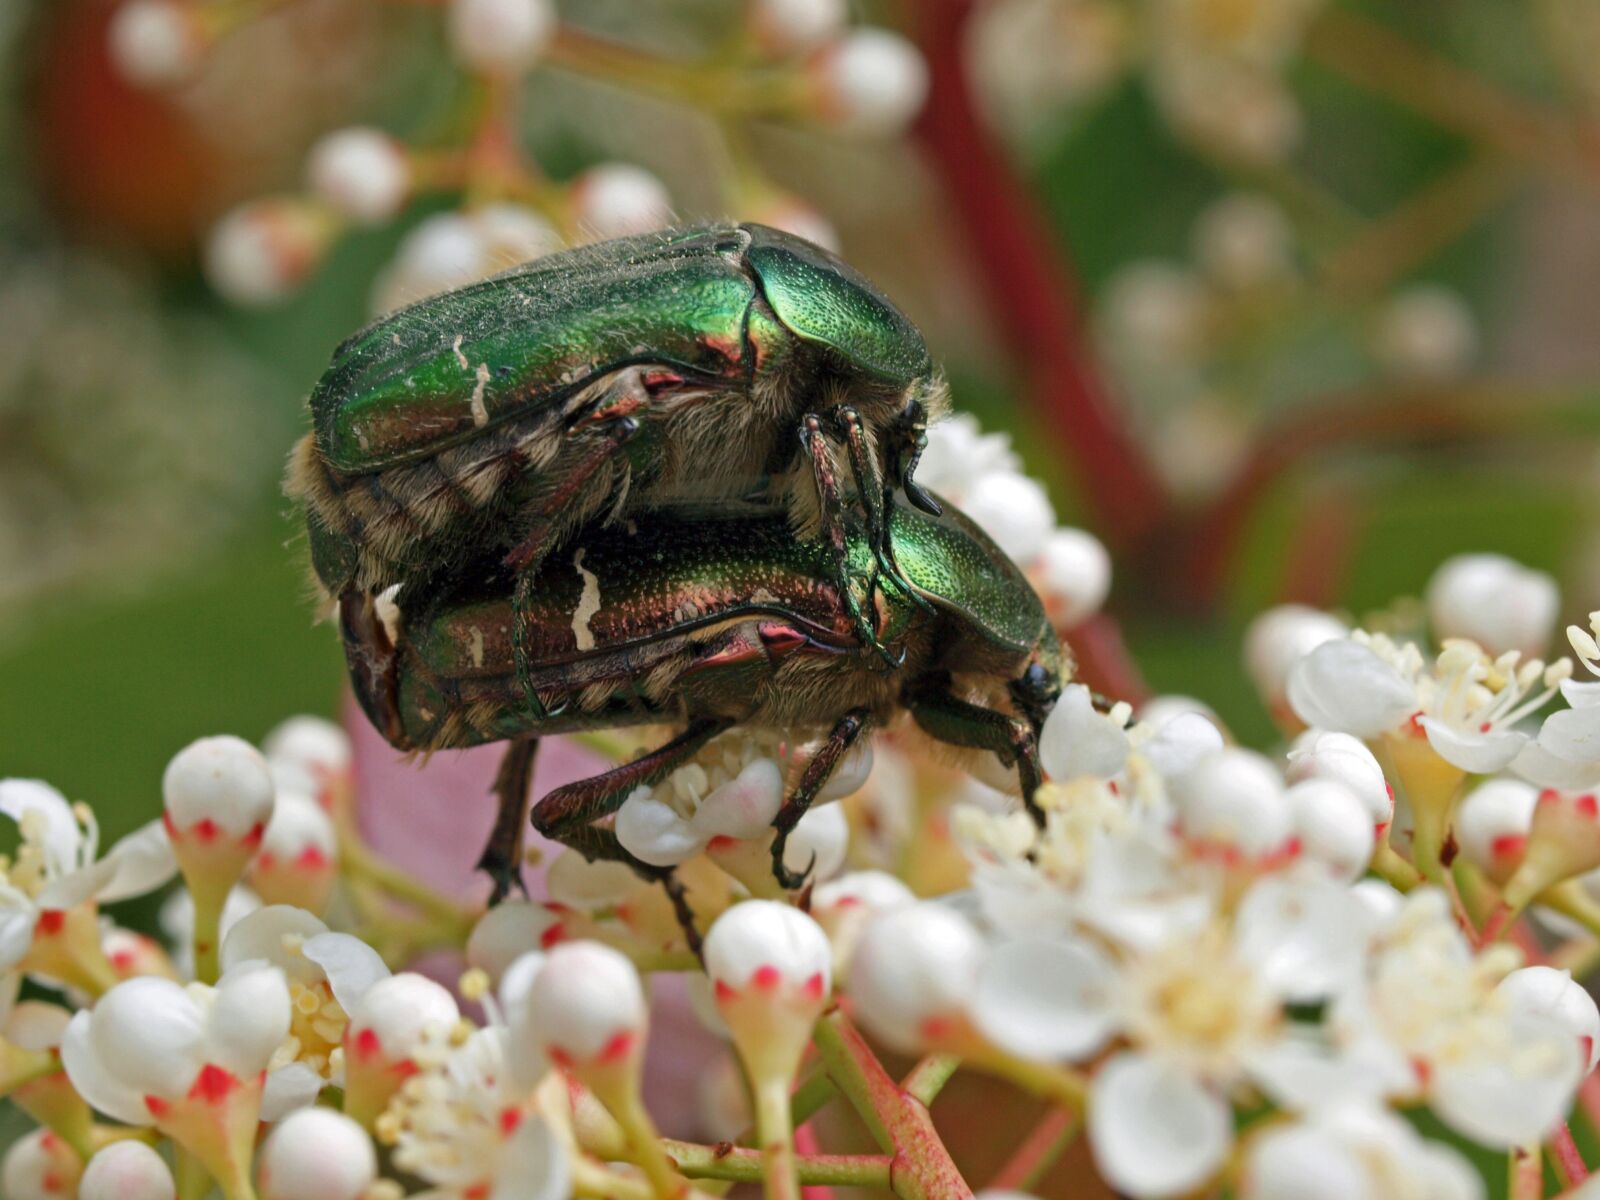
x=705 y=620
x=712 y=362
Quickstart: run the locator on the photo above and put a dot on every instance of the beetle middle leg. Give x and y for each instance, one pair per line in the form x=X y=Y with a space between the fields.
x=598 y=843
x=845 y=733
x=878 y=501
x=501 y=859
x=826 y=476
x=956 y=722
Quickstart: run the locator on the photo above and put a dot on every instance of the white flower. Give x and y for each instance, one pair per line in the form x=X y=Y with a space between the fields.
x=39 y=1166
x=587 y=1006
x=1425 y=332
x=298 y=858
x=1563 y=842
x=1244 y=241
x=1547 y=992
x=1073 y=571
x=1156 y=1131
x=317 y=1154
x=617 y=199
x=156 y=43
x=500 y=37
x=785 y=27
x=1354 y=1153
x=361 y=171
x=1232 y=803
x=1014 y=510
x=913 y=973
x=1333 y=826
x=454 y=248
x=391 y=1023
x=218 y=795
x=959 y=453
x=1079 y=742
x=1495 y=602
x=308 y=754
x=508 y=931
x=771 y=966
x=843 y=906
x=870 y=82
x=1278 y=639
x=1343 y=759
x=1492 y=824
x=260 y=252
x=127 y=1170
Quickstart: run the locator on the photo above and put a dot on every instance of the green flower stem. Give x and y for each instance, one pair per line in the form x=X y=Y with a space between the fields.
x=207 y=935
x=776 y=1133
x=1525 y=1174
x=922 y=1168
x=813 y=1095
x=927 y=1079
x=741 y=1164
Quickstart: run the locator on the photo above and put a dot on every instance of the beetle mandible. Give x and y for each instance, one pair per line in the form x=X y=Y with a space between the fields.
x=711 y=362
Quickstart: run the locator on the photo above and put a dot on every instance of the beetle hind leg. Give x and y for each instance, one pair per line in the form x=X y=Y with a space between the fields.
x=501 y=859
x=845 y=733
x=598 y=843
x=878 y=500
x=947 y=718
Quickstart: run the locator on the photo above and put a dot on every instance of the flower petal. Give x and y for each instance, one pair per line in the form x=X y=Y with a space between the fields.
x=144 y=862
x=654 y=833
x=102 y=1090
x=1181 y=743
x=1472 y=751
x=1046 y=999
x=63 y=836
x=1573 y=734
x=350 y=964
x=1078 y=742
x=744 y=806
x=288 y=1088
x=1538 y=766
x=249 y=1018
x=1344 y=686
x=1513 y=1090
x=535 y=1165
x=1308 y=939
x=1156 y=1131
x=1581 y=693
x=265 y=936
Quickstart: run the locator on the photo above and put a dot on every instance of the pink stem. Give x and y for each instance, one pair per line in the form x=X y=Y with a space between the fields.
x=1033 y=1156
x=1103 y=662
x=1569 y=1163
x=806 y=1145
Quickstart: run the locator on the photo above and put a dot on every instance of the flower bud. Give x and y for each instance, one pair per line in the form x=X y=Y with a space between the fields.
x=1079 y=742
x=299 y=856
x=1244 y=241
x=913 y=973
x=388 y=1025
x=510 y=234
x=772 y=967
x=317 y=1154
x=262 y=251
x=618 y=199
x=40 y=1166
x=132 y=954
x=1014 y=510
x=870 y=82
x=500 y=37
x=1278 y=639
x=786 y=27
x=1156 y=310
x=1551 y=994
x=508 y=931
x=1425 y=332
x=1494 y=601
x=1333 y=827
x=1073 y=571
x=320 y=748
x=1563 y=841
x=843 y=907
x=588 y=1010
x=1492 y=825
x=156 y=43
x=361 y=172
x=1343 y=759
x=793 y=215
x=218 y=795
x=1232 y=806
x=127 y=1170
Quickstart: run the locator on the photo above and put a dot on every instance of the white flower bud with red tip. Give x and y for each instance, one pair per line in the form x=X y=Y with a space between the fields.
x=156 y=43
x=1014 y=510
x=40 y=1166
x=127 y=1170
x=1494 y=601
x=299 y=856
x=500 y=37
x=784 y=27
x=1073 y=574
x=361 y=172
x=772 y=969
x=618 y=199
x=1492 y=825
x=131 y=953
x=317 y=1154
x=310 y=754
x=259 y=253
x=190 y=1061
x=1277 y=640
x=219 y=795
x=1344 y=759
x=390 y=1023
x=1232 y=807
x=1548 y=993
x=843 y=907
x=587 y=1008
x=1563 y=842
x=1333 y=827
x=913 y=974
x=508 y=931
x=870 y=82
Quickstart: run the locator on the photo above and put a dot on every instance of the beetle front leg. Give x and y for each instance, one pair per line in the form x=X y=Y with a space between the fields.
x=949 y=719
x=577 y=804
x=824 y=472
x=597 y=843
x=878 y=501
x=818 y=771
x=501 y=859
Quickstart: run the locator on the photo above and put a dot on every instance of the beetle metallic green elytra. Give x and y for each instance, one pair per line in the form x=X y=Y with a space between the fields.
x=600 y=381
x=706 y=619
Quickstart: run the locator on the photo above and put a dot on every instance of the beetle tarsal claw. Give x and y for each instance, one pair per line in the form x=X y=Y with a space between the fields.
x=789 y=881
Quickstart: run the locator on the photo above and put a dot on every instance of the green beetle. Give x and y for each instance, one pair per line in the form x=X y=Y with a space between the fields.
x=705 y=620
x=711 y=362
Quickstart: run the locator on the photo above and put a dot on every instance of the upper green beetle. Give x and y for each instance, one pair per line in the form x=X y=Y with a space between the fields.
x=708 y=362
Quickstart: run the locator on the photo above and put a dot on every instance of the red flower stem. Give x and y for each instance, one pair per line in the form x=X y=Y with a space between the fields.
x=921 y=1168
x=1029 y=288
x=1569 y=1164
x=1102 y=660
x=1053 y=1134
